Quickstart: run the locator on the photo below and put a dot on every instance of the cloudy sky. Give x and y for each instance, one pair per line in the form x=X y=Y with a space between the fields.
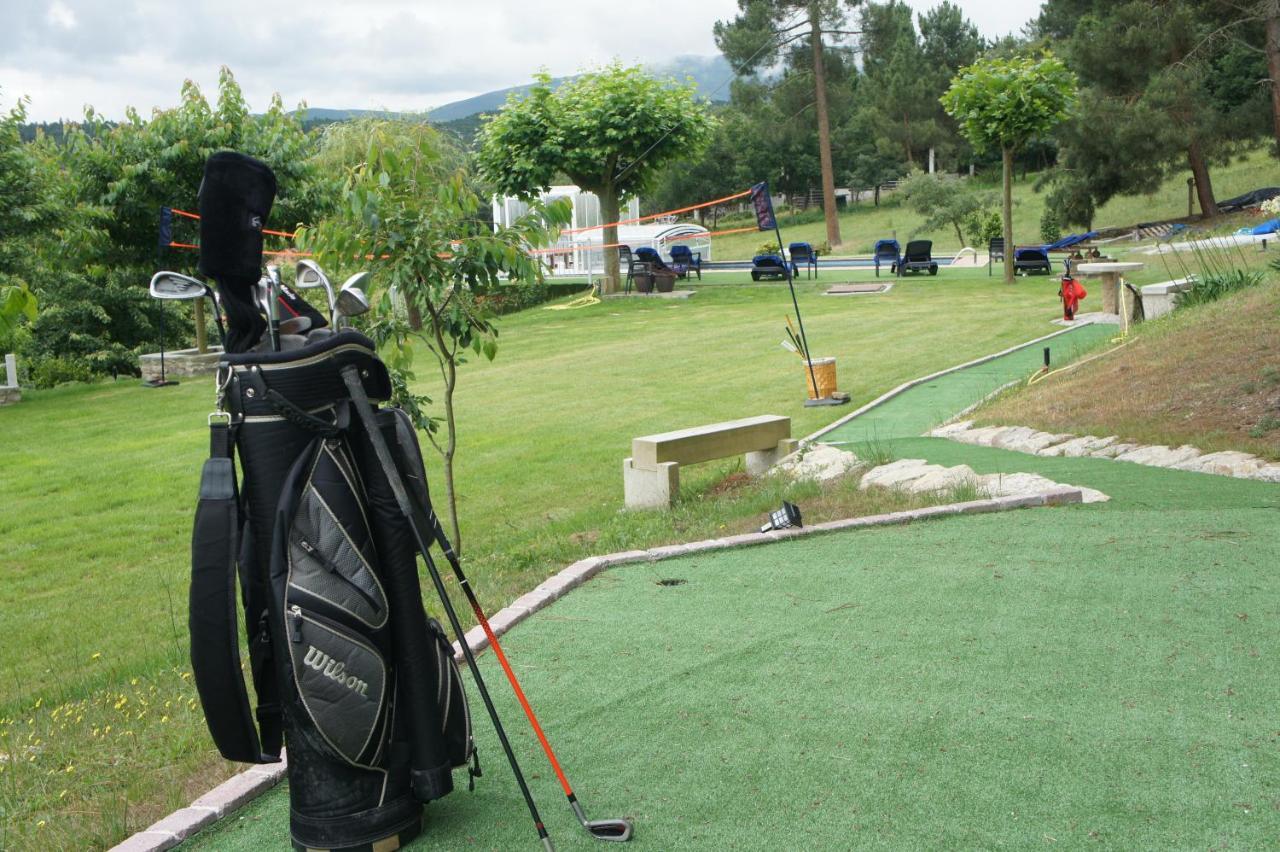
x=391 y=54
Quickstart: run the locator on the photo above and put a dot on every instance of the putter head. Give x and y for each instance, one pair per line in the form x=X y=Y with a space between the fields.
x=352 y=300
x=174 y=285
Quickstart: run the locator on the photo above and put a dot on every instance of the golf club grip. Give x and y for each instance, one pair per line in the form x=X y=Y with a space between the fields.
x=351 y=377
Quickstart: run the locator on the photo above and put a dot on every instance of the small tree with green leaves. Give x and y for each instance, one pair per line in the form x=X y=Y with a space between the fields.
x=946 y=202
x=1002 y=104
x=610 y=131
x=409 y=212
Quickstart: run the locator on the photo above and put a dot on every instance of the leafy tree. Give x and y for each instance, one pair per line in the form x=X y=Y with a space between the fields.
x=410 y=210
x=23 y=213
x=1003 y=104
x=760 y=36
x=946 y=202
x=610 y=131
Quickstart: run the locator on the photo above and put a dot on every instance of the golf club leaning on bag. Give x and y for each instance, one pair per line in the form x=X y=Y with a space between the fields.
x=606 y=829
x=179 y=287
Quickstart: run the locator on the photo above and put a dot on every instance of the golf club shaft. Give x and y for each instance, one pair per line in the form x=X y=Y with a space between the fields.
x=351 y=376
x=456 y=565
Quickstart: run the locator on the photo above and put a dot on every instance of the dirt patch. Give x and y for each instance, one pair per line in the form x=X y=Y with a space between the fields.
x=1209 y=377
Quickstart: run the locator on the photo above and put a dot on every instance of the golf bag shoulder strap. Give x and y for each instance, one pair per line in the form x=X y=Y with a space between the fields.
x=213 y=621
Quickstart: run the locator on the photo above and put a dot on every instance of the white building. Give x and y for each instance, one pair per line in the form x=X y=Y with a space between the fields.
x=580 y=247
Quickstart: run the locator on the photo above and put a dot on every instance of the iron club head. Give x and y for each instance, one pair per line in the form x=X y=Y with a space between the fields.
x=617 y=830
x=308 y=274
x=352 y=300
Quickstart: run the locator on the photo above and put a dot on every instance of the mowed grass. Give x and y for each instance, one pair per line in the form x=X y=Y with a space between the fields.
x=865 y=223
x=100 y=732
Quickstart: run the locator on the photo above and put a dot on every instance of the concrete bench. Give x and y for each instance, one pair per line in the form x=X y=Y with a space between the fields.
x=651 y=477
x=1161 y=299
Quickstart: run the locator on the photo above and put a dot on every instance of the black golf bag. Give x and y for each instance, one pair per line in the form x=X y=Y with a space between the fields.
x=349 y=672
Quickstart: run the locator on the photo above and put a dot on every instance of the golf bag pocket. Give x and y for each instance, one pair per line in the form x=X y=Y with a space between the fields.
x=451 y=698
x=330 y=548
x=342 y=683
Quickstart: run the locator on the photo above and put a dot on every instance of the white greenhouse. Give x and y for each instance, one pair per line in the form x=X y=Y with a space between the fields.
x=580 y=250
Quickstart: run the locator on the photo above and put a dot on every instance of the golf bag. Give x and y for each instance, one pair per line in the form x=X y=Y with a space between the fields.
x=349 y=672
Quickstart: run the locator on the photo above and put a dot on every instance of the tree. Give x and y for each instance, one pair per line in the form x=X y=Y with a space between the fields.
x=23 y=214
x=1002 y=104
x=946 y=201
x=757 y=37
x=610 y=131
x=409 y=211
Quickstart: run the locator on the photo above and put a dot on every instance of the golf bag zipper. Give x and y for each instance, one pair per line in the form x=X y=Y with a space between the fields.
x=330 y=566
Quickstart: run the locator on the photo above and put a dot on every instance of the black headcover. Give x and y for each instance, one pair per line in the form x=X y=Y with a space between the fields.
x=235 y=199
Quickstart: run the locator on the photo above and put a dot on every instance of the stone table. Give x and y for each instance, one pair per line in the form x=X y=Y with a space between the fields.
x=1110 y=271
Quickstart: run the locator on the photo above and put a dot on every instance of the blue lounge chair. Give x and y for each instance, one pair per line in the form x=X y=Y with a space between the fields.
x=888 y=252
x=1032 y=260
x=1070 y=242
x=995 y=251
x=649 y=255
x=803 y=253
x=686 y=260
x=768 y=266
x=918 y=258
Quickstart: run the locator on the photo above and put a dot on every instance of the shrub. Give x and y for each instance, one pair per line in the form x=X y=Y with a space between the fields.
x=60 y=370
x=1212 y=287
x=509 y=298
x=1050 y=227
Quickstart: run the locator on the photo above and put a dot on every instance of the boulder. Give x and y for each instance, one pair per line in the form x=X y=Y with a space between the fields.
x=821 y=462
x=897 y=474
x=945 y=479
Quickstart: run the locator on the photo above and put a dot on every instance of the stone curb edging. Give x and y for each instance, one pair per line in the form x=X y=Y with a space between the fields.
x=905 y=386
x=243 y=788
x=1022 y=439
x=230 y=795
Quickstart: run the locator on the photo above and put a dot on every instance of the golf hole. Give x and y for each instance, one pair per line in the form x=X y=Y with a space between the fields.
x=672 y=581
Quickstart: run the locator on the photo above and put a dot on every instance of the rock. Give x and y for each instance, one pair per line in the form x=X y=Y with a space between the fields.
x=1226 y=463
x=821 y=462
x=1159 y=456
x=1019 y=484
x=949 y=430
x=1012 y=437
x=1077 y=447
x=944 y=479
x=1113 y=450
x=897 y=474
x=984 y=437
x=1270 y=473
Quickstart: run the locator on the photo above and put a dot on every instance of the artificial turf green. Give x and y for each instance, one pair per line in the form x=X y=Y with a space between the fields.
x=1096 y=674
x=1100 y=674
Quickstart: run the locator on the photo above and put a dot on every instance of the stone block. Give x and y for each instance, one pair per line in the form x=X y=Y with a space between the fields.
x=758 y=462
x=897 y=474
x=650 y=489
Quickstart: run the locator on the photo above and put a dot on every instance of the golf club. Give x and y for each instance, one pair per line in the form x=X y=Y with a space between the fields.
x=352 y=300
x=603 y=829
x=308 y=275
x=273 y=305
x=176 y=286
x=351 y=377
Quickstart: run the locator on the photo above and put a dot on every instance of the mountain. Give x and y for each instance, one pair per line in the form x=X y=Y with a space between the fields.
x=711 y=74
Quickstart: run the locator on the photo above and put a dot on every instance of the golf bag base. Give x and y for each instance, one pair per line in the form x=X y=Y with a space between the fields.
x=349 y=671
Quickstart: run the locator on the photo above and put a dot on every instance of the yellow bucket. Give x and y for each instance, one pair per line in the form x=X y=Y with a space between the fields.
x=824 y=370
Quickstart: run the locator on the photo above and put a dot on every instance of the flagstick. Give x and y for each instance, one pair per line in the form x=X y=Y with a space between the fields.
x=804 y=340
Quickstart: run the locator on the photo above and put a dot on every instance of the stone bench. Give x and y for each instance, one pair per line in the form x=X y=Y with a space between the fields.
x=1161 y=299
x=651 y=477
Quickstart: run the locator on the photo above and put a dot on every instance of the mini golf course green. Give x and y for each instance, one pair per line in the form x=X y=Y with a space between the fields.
x=1093 y=675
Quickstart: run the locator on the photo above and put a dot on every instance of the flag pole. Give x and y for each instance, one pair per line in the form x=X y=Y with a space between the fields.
x=765 y=219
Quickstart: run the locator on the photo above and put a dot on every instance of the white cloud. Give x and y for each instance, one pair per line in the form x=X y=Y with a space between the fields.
x=392 y=54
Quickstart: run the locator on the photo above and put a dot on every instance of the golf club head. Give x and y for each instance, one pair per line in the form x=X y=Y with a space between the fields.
x=616 y=830
x=308 y=274
x=175 y=285
x=352 y=300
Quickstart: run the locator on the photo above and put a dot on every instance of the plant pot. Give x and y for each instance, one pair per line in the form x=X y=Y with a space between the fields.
x=665 y=281
x=644 y=283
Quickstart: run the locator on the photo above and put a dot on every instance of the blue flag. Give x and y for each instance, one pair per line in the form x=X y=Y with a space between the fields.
x=166 y=228
x=763 y=203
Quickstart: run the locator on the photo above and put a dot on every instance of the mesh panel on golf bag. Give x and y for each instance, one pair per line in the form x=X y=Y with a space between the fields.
x=374 y=714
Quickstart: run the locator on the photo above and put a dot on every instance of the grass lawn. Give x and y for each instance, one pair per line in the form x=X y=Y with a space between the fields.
x=865 y=223
x=100 y=483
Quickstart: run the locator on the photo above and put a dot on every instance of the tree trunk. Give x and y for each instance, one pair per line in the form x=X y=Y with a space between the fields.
x=449 y=371
x=202 y=337
x=824 y=128
x=1273 y=65
x=609 y=214
x=1008 y=215
x=1204 y=185
x=877 y=195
